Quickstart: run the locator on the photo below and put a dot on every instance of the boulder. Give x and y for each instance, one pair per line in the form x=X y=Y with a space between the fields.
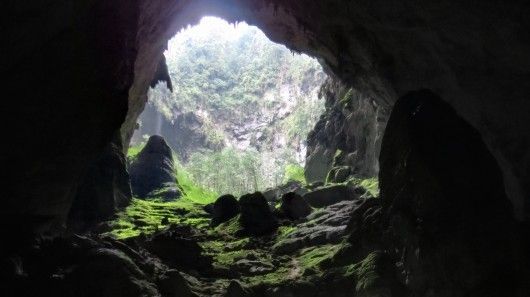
x=274 y=194
x=235 y=289
x=256 y=217
x=153 y=169
x=339 y=174
x=178 y=250
x=294 y=206
x=329 y=195
x=224 y=208
x=318 y=164
x=109 y=272
x=172 y=284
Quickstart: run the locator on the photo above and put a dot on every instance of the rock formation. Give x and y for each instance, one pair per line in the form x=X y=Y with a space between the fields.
x=347 y=136
x=294 y=206
x=153 y=170
x=256 y=217
x=105 y=189
x=224 y=208
x=446 y=204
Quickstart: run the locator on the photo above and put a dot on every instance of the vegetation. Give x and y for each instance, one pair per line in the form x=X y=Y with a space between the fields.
x=255 y=98
x=294 y=172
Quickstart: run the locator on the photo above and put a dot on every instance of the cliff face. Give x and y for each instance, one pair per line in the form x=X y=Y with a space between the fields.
x=348 y=134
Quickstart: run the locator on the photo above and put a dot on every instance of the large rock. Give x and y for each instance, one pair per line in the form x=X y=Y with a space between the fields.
x=328 y=195
x=294 y=206
x=105 y=189
x=449 y=222
x=318 y=163
x=153 y=168
x=224 y=208
x=109 y=272
x=274 y=194
x=176 y=249
x=256 y=217
x=326 y=225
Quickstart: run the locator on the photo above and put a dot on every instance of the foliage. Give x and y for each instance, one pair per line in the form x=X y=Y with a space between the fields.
x=370 y=184
x=226 y=171
x=134 y=150
x=294 y=172
x=239 y=80
x=193 y=191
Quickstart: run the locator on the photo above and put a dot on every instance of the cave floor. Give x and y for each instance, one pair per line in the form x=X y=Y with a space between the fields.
x=302 y=257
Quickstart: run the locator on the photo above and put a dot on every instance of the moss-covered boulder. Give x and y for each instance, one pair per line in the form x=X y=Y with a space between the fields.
x=256 y=217
x=294 y=206
x=153 y=170
x=224 y=208
x=325 y=196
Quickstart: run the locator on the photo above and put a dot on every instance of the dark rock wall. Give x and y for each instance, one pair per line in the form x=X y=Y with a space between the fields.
x=449 y=221
x=352 y=126
x=67 y=69
x=105 y=189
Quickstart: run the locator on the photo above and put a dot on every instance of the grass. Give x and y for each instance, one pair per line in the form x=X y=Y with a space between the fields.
x=192 y=191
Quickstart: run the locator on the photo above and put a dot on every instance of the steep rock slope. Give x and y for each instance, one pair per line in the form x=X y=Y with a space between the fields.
x=347 y=136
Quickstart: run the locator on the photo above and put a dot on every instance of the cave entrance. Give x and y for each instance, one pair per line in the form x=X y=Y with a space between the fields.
x=240 y=108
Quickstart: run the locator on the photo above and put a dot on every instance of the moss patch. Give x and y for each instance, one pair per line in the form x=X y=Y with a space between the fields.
x=148 y=216
x=370 y=184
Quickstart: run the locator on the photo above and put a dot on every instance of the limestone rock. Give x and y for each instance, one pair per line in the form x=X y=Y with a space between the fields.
x=328 y=195
x=235 y=289
x=104 y=190
x=318 y=163
x=153 y=168
x=327 y=225
x=274 y=194
x=294 y=206
x=178 y=250
x=448 y=214
x=224 y=208
x=256 y=217
x=172 y=284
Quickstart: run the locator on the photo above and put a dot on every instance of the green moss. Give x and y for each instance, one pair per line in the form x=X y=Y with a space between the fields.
x=311 y=258
x=145 y=216
x=230 y=227
x=294 y=172
x=370 y=184
x=281 y=275
x=133 y=151
x=192 y=191
x=345 y=101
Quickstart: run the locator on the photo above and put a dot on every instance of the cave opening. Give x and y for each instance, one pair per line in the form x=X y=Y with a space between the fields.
x=238 y=102
x=451 y=218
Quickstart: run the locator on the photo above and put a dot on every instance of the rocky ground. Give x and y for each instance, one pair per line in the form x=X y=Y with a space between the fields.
x=249 y=246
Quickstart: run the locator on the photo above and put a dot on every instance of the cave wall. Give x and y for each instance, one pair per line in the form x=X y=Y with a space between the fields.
x=473 y=55
x=448 y=222
x=68 y=68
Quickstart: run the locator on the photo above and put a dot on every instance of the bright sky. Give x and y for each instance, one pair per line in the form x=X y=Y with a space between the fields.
x=209 y=25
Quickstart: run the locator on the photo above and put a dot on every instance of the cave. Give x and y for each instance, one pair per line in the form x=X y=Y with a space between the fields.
x=438 y=112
